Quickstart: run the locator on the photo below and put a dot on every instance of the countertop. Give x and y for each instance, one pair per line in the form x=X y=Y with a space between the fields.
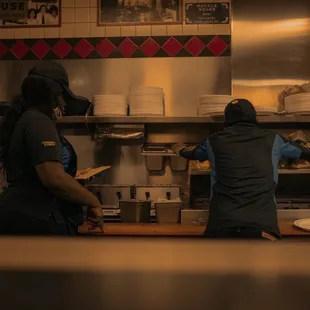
x=124 y=229
x=152 y=273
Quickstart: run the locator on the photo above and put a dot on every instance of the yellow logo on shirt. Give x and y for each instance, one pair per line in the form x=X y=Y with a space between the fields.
x=235 y=101
x=49 y=143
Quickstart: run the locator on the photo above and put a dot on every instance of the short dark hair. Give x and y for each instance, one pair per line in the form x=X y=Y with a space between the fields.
x=43 y=6
x=52 y=9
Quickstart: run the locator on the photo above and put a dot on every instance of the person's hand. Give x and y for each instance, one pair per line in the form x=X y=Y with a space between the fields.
x=178 y=147
x=95 y=218
x=298 y=135
x=81 y=172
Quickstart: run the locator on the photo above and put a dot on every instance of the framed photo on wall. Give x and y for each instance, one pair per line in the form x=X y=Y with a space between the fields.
x=140 y=12
x=36 y=13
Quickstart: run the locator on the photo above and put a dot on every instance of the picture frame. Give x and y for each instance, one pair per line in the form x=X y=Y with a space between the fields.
x=40 y=13
x=139 y=12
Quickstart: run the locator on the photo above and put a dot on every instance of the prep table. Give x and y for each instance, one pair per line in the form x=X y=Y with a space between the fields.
x=123 y=229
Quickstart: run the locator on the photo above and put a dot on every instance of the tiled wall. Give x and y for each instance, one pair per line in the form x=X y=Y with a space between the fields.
x=79 y=19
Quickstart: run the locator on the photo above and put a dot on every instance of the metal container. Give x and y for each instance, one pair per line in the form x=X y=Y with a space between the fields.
x=178 y=163
x=110 y=195
x=194 y=217
x=155 y=162
x=168 y=212
x=133 y=211
x=156 y=192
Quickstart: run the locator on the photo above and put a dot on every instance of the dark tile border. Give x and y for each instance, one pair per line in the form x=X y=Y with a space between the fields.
x=120 y=47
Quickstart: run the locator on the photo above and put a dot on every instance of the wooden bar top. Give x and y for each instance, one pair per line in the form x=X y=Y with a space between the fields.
x=126 y=229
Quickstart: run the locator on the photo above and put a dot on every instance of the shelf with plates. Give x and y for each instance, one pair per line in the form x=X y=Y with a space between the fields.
x=288 y=119
x=280 y=171
x=175 y=119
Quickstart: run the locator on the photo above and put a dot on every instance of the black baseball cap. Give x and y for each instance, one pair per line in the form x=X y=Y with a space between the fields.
x=55 y=71
x=240 y=110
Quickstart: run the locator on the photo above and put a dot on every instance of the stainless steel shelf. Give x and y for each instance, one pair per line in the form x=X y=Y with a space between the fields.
x=175 y=120
x=280 y=171
x=165 y=154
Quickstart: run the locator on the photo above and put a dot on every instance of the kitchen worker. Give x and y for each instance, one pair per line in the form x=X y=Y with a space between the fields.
x=42 y=197
x=244 y=175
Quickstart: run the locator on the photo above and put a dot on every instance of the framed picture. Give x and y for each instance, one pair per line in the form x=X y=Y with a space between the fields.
x=37 y=13
x=139 y=12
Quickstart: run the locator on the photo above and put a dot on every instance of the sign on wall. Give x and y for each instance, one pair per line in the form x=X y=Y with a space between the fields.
x=13 y=9
x=29 y=13
x=140 y=12
x=207 y=13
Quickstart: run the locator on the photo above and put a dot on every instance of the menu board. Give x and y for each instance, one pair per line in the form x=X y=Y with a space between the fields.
x=207 y=13
x=13 y=9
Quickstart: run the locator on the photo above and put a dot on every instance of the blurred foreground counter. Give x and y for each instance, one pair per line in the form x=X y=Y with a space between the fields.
x=152 y=273
x=124 y=229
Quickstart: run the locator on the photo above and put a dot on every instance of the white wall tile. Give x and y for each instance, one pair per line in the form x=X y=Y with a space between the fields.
x=94 y=3
x=82 y=30
x=190 y=30
x=128 y=31
x=67 y=15
x=82 y=4
x=67 y=3
x=82 y=15
x=21 y=33
x=205 y=29
x=7 y=33
x=159 y=30
x=224 y=29
x=143 y=30
x=36 y=33
x=113 y=31
x=51 y=32
x=174 y=30
x=67 y=31
x=96 y=31
x=93 y=15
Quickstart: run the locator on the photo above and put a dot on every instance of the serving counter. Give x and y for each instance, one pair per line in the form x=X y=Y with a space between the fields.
x=124 y=229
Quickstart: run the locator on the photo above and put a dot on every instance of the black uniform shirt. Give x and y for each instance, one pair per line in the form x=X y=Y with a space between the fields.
x=35 y=140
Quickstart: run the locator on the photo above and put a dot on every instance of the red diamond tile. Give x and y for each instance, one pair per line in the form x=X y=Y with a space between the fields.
x=105 y=48
x=127 y=47
x=62 y=48
x=149 y=47
x=172 y=46
x=194 y=46
x=217 y=46
x=3 y=49
x=19 y=49
x=83 y=48
x=40 y=49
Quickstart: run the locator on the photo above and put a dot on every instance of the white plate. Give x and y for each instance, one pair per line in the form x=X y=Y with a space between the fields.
x=303 y=224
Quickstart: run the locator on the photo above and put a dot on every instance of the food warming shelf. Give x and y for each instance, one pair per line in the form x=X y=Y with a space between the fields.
x=175 y=120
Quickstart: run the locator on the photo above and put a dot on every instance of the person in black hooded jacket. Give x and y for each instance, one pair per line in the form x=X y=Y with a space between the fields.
x=244 y=160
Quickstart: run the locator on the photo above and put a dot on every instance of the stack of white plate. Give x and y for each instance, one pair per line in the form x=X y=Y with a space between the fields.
x=298 y=104
x=146 y=101
x=110 y=105
x=265 y=110
x=213 y=105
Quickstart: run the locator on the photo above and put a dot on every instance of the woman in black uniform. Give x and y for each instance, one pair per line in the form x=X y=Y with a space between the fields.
x=42 y=197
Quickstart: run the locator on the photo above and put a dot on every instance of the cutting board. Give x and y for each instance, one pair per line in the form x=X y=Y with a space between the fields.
x=92 y=172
